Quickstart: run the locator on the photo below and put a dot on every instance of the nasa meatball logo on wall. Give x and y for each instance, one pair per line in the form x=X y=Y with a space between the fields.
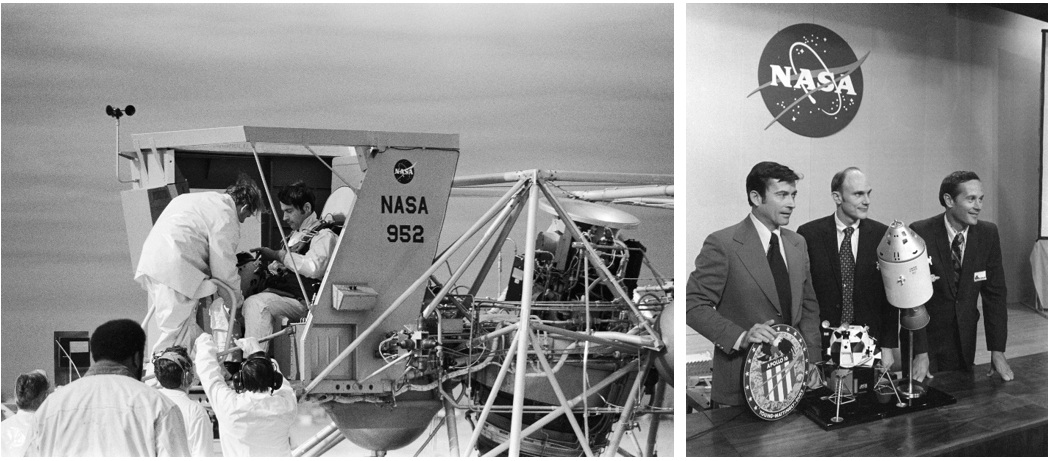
x=403 y=171
x=810 y=80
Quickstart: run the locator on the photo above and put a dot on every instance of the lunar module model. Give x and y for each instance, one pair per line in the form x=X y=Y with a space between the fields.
x=850 y=347
x=556 y=364
x=902 y=259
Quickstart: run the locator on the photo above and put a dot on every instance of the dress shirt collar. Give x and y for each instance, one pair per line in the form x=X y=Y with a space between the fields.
x=765 y=233
x=950 y=233
x=840 y=226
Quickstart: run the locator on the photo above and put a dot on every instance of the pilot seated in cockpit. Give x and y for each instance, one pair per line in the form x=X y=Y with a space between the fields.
x=307 y=253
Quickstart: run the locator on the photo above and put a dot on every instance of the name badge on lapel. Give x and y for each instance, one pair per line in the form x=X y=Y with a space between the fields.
x=979 y=276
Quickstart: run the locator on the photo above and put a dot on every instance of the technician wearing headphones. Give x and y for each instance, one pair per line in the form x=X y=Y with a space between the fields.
x=175 y=375
x=255 y=416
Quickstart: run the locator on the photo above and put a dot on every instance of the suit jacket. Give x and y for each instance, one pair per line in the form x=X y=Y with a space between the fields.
x=732 y=288
x=952 y=306
x=871 y=303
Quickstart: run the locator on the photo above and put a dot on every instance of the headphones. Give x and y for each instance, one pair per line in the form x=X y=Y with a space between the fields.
x=275 y=377
x=178 y=356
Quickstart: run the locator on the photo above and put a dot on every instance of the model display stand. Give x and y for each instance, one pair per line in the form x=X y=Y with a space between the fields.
x=881 y=402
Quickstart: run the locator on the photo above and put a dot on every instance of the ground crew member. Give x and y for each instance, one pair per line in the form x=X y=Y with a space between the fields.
x=255 y=417
x=193 y=240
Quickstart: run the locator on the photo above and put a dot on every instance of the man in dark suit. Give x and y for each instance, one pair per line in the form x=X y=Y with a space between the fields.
x=966 y=260
x=752 y=275
x=843 y=251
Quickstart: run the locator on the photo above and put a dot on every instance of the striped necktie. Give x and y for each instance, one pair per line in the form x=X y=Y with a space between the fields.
x=958 y=258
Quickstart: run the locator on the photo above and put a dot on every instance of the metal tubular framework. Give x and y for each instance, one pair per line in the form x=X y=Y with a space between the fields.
x=622 y=423
x=556 y=413
x=495 y=333
x=420 y=281
x=284 y=238
x=627 y=192
x=525 y=327
x=660 y=278
x=501 y=218
x=508 y=209
x=524 y=321
x=451 y=428
x=556 y=175
x=655 y=399
x=585 y=445
x=598 y=262
x=585 y=337
x=284 y=331
x=498 y=245
x=325 y=445
x=493 y=394
x=442 y=353
x=315 y=440
x=430 y=436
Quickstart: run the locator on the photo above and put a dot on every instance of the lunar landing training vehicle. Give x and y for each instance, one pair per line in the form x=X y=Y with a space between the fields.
x=563 y=359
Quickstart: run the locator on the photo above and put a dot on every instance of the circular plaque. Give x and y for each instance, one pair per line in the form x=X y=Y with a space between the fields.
x=775 y=374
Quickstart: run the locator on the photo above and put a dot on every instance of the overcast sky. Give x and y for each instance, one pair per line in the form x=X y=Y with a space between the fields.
x=573 y=87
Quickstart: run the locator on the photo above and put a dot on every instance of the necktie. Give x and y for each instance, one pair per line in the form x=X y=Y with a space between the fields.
x=781 y=279
x=958 y=252
x=847 y=275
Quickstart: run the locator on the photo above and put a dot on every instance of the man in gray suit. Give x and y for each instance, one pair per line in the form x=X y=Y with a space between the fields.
x=750 y=276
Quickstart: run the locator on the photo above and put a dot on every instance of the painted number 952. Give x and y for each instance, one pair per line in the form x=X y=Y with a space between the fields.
x=405 y=233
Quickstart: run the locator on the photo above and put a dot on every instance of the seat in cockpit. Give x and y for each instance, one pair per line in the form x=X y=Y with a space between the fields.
x=338 y=207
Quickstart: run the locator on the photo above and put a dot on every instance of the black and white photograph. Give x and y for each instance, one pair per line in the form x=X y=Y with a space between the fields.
x=453 y=230
x=866 y=230
x=338 y=230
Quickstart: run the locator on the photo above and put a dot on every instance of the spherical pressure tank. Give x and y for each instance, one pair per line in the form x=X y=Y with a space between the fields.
x=903 y=260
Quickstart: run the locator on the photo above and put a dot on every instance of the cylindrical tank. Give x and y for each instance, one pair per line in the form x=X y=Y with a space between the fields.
x=903 y=260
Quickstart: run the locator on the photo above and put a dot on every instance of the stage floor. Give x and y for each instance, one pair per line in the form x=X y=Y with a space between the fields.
x=988 y=412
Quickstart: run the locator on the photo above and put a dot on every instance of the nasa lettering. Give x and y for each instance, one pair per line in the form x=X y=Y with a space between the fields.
x=810 y=80
x=397 y=204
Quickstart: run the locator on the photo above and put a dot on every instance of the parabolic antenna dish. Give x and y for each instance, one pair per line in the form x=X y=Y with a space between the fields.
x=594 y=214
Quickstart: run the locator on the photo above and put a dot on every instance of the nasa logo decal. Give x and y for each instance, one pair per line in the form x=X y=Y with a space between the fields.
x=810 y=80
x=774 y=374
x=404 y=171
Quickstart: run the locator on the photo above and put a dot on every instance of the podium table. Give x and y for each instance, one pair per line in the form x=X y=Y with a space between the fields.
x=991 y=418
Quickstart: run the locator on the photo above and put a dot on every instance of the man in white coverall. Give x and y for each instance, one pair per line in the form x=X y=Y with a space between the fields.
x=256 y=416
x=308 y=251
x=175 y=373
x=193 y=240
x=110 y=412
